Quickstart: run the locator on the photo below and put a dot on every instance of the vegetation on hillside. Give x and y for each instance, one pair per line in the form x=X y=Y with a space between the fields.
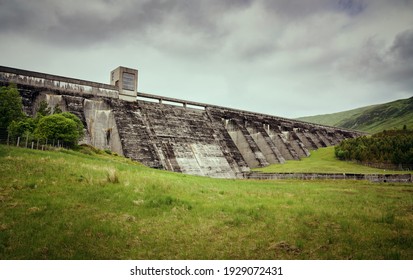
x=335 y=118
x=48 y=124
x=10 y=107
x=372 y=119
x=87 y=205
x=394 y=146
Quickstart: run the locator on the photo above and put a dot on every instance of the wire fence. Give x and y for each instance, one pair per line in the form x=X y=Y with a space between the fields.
x=32 y=143
x=385 y=178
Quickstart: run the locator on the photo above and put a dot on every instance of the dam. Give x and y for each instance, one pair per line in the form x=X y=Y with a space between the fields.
x=168 y=133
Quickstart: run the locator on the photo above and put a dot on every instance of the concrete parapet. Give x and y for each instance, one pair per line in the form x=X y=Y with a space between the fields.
x=53 y=82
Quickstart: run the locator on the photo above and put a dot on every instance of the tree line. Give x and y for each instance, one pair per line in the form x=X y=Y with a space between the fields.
x=392 y=146
x=48 y=124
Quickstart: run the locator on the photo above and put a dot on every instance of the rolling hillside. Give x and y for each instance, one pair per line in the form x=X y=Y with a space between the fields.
x=372 y=119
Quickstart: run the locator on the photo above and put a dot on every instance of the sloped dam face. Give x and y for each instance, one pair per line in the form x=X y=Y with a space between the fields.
x=215 y=142
x=207 y=140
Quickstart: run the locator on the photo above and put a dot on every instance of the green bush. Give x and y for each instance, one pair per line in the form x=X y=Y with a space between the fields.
x=78 y=122
x=393 y=146
x=58 y=127
x=21 y=127
x=10 y=106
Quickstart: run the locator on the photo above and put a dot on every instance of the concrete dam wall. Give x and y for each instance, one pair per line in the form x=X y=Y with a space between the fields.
x=171 y=134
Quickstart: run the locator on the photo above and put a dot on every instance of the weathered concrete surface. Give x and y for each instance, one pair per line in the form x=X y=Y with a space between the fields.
x=208 y=141
x=176 y=139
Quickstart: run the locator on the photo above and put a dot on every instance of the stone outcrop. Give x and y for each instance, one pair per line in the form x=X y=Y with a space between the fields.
x=186 y=137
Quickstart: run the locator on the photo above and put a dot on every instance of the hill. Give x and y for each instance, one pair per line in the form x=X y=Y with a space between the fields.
x=91 y=205
x=372 y=119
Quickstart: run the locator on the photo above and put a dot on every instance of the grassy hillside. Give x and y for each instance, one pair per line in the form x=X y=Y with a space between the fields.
x=71 y=205
x=323 y=160
x=335 y=118
x=376 y=118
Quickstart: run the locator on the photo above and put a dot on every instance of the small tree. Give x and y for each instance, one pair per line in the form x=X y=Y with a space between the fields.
x=78 y=122
x=11 y=107
x=22 y=127
x=59 y=127
x=57 y=110
x=43 y=110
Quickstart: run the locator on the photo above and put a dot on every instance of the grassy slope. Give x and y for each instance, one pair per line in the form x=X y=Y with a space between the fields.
x=323 y=161
x=391 y=115
x=373 y=119
x=335 y=118
x=67 y=205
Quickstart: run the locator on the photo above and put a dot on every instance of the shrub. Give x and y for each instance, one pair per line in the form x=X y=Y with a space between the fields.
x=393 y=146
x=10 y=106
x=58 y=127
x=21 y=127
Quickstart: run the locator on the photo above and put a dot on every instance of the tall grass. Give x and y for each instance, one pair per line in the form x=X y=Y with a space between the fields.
x=72 y=205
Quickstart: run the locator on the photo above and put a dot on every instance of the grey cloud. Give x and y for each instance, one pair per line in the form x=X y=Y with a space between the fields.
x=401 y=59
x=402 y=46
x=253 y=52
x=298 y=9
x=352 y=7
x=14 y=15
x=69 y=24
x=390 y=65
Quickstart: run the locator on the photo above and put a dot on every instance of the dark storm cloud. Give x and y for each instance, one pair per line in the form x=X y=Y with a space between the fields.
x=68 y=23
x=176 y=26
x=401 y=60
x=298 y=9
x=90 y=22
x=391 y=65
x=352 y=7
x=14 y=15
x=402 y=47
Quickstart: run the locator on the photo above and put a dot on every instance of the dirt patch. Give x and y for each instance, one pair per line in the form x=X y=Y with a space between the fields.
x=285 y=247
x=33 y=209
x=128 y=218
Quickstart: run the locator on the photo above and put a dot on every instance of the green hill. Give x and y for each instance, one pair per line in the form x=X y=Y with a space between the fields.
x=372 y=119
x=91 y=205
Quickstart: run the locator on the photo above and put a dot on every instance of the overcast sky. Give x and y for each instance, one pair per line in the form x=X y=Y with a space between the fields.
x=288 y=58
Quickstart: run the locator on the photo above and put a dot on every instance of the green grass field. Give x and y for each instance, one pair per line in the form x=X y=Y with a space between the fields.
x=322 y=161
x=71 y=205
